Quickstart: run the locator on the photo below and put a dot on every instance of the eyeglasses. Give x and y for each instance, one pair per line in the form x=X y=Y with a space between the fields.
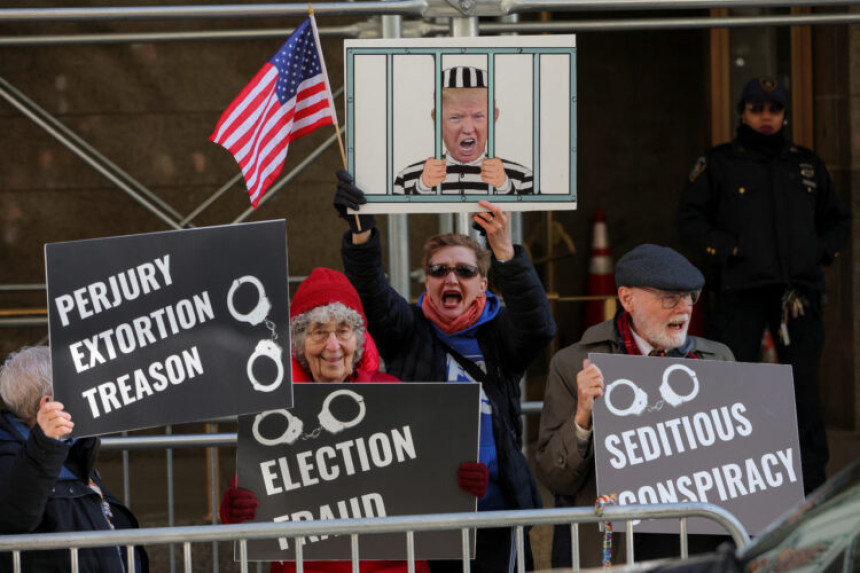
x=462 y=271
x=773 y=108
x=320 y=335
x=671 y=299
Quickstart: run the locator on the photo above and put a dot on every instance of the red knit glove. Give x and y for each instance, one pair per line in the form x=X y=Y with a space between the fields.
x=238 y=505
x=473 y=478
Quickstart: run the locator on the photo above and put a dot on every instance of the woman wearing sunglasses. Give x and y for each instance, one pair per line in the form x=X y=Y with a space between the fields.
x=767 y=216
x=459 y=332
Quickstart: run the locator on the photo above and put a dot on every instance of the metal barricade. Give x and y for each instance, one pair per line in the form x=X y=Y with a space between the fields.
x=408 y=525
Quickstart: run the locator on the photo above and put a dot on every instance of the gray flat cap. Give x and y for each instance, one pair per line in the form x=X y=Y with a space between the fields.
x=657 y=267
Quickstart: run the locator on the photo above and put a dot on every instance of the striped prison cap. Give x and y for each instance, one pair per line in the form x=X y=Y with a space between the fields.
x=464 y=77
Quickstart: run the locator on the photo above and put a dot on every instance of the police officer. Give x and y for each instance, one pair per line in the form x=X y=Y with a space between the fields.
x=765 y=213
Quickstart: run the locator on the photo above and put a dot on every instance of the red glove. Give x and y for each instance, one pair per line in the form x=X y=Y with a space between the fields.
x=473 y=478
x=238 y=505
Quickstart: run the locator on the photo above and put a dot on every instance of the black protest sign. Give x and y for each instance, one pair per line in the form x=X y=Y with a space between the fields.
x=356 y=451
x=681 y=430
x=169 y=327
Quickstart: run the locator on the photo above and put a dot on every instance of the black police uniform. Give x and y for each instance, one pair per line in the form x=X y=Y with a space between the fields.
x=766 y=214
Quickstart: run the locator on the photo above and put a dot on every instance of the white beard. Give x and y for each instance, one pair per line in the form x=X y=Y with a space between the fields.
x=657 y=333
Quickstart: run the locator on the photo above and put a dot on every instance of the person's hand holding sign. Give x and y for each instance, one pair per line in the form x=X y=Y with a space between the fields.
x=589 y=385
x=493 y=172
x=494 y=223
x=53 y=419
x=435 y=171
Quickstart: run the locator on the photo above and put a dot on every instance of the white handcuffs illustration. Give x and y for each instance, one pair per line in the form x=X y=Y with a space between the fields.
x=640 y=397
x=670 y=395
x=295 y=426
x=269 y=349
x=257 y=315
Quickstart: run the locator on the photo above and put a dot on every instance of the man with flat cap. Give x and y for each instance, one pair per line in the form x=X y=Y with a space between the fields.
x=465 y=168
x=657 y=288
x=766 y=215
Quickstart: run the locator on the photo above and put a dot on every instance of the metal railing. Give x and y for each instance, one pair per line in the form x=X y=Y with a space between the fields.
x=409 y=525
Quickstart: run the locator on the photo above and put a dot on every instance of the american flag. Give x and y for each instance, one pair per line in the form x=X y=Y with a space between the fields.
x=288 y=98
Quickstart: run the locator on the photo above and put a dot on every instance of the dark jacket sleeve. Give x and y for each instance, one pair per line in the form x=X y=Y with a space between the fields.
x=699 y=202
x=27 y=479
x=528 y=323
x=832 y=218
x=390 y=317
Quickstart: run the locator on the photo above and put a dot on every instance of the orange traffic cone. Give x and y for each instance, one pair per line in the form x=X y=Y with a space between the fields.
x=601 y=274
x=768 y=348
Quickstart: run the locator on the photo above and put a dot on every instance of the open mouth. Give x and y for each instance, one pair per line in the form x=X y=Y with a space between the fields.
x=451 y=299
x=677 y=325
x=467 y=145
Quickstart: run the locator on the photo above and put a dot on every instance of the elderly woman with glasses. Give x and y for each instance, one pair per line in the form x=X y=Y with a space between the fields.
x=329 y=343
x=48 y=483
x=459 y=332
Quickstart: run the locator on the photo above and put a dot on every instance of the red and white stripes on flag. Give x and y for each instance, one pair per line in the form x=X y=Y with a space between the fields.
x=288 y=98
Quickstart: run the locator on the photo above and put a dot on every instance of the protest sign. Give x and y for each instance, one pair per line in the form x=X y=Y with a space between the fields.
x=410 y=157
x=169 y=327
x=357 y=451
x=679 y=430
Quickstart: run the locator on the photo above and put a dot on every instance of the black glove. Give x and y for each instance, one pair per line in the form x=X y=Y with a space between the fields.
x=348 y=196
x=481 y=231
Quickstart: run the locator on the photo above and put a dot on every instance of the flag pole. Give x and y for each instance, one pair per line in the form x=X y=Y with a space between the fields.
x=330 y=99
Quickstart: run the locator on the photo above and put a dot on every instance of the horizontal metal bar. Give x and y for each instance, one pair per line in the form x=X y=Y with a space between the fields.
x=421 y=29
x=140 y=37
x=224 y=439
x=529 y=408
x=623 y=25
x=19 y=322
x=173 y=441
x=395 y=524
x=605 y=5
x=63 y=14
x=22 y=287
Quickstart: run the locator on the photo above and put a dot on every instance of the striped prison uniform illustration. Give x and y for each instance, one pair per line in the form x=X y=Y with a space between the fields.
x=465 y=178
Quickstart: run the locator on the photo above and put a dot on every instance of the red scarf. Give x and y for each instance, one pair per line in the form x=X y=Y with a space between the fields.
x=456 y=324
x=622 y=323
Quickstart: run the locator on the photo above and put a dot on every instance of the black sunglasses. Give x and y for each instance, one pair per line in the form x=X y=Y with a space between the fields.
x=773 y=108
x=462 y=271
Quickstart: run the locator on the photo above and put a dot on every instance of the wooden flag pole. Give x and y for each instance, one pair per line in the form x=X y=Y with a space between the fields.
x=336 y=126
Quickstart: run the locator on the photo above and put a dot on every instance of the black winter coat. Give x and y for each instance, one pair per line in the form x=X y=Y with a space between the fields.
x=780 y=210
x=44 y=489
x=409 y=346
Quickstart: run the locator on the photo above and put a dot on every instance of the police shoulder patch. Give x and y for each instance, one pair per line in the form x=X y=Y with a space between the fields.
x=698 y=168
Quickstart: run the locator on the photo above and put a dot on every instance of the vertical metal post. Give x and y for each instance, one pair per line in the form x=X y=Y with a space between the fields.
x=170 y=511
x=186 y=552
x=126 y=478
x=521 y=550
x=398 y=224
x=464 y=537
x=465 y=26
x=243 y=555
x=214 y=483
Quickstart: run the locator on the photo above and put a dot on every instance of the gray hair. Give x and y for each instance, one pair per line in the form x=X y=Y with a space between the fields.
x=335 y=312
x=24 y=379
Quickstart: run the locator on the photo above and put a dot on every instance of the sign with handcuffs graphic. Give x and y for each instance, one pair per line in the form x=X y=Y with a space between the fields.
x=170 y=327
x=356 y=451
x=671 y=430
